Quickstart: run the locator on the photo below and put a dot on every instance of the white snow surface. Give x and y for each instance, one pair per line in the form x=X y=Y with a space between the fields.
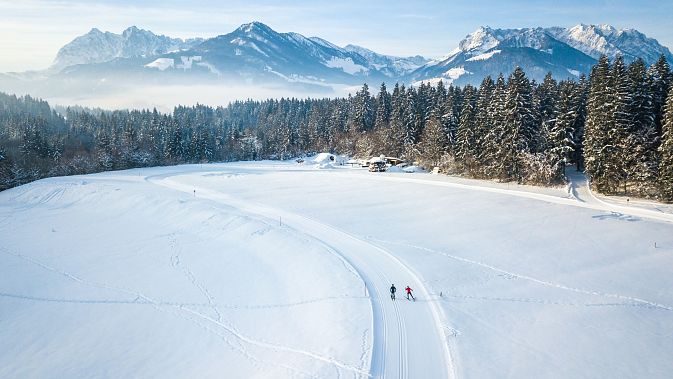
x=485 y=56
x=272 y=269
x=454 y=73
x=161 y=63
x=345 y=64
x=322 y=158
x=574 y=72
x=479 y=41
x=412 y=169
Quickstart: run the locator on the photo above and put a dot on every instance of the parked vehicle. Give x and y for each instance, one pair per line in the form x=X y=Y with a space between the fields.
x=377 y=166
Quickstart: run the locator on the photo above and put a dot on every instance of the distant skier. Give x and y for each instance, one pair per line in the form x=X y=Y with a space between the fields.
x=392 y=291
x=408 y=289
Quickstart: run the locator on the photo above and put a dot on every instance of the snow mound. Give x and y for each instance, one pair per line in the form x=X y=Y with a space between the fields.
x=327 y=158
x=161 y=64
x=413 y=169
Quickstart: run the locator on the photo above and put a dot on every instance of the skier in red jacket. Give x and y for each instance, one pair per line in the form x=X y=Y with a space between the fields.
x=408 y=289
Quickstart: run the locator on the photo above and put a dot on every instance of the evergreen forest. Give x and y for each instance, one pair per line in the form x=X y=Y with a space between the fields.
x=616 y=125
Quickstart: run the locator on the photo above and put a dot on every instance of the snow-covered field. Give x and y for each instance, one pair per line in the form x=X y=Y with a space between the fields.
x=273 y=269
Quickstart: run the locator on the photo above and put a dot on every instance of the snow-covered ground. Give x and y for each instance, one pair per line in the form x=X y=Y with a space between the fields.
x=273 y=269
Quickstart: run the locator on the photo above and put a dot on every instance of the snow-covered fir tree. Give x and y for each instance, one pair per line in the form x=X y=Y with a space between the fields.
x=434 y=143
x=521 y=130
x=465 y=137
x=561 y=135
x=642 y=157
x=483 y=124
x=621 y=141
x=666 y=152
x=598 y=123
x=491 y=144
x=393 y=140
x=510 y=130
x=660 y=81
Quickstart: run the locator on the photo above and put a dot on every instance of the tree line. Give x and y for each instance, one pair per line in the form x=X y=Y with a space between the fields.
x=617 y=124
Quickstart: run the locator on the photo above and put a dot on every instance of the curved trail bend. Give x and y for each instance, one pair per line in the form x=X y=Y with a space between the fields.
x=409 y=340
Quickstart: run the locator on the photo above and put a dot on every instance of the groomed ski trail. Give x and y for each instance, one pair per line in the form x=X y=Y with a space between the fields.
x=409 y=338
x=581 y=195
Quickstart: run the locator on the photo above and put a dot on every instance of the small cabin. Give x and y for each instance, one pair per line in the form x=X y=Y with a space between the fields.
x=393 y=161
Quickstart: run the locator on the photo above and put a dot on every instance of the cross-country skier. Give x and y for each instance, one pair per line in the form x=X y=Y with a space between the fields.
x=392 y=291
x=408 y=289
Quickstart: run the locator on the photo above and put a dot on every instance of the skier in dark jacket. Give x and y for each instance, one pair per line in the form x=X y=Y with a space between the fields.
x=408 y=289
x=392 y=291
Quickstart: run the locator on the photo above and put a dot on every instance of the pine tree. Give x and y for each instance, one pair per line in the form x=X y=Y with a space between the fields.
x=546 y=97
x=666 y=152
x=383 y=108
x=450 y=115
x=661 y=79
x=520 y=127
x=394 y=141
x=581 y=94
x=465 y=137
x=560 y=142
x=433 y=143
x=620 y=141
x=483 y=123
x=491 y=144
x=412 y=122
x=443 y=111
x=599 y=116
x=6 y=177
x=642 y=157
x=363 y=110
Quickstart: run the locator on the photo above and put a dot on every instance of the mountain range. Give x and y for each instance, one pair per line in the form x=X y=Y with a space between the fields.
x=255 y=54
x=566 y=53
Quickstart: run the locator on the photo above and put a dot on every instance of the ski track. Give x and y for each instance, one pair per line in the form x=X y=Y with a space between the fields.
x=647 y=303
x=276 y=347
x=199 y=316
x=575 y=200
x=329 y=248
x=381 y=357
x=364 y=349
x=579 y=195
x=176 y=264
x=544 y=301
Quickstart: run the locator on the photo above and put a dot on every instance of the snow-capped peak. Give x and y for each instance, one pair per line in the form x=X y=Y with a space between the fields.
x=479 y=41
x=254 y=27
x=130 y=30
x=97 y=46
x=561 y=51
x=603 y=39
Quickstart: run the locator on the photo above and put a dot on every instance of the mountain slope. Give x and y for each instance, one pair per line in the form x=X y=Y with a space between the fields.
x=259 y=61
x=254 y=50
x=566 y=53
x=595 y=40
x=390 y=65
x=252 y=53
x=98 y=47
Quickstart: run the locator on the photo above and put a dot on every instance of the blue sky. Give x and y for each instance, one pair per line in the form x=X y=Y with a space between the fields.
x=32 y=31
